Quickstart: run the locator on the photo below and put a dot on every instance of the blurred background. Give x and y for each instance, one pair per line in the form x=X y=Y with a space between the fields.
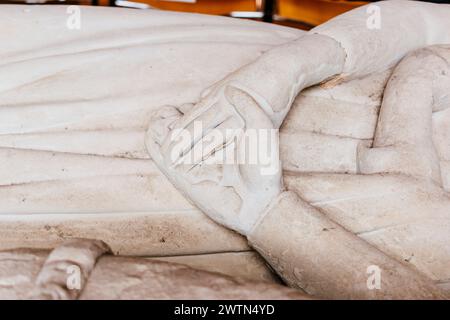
x=303 y=14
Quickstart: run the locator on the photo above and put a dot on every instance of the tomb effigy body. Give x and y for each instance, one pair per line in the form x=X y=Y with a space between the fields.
x=364 y=147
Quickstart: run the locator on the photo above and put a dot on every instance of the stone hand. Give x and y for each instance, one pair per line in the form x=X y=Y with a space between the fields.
x=222 y=155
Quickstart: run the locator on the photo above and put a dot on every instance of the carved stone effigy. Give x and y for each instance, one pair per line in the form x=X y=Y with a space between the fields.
x=365 y=155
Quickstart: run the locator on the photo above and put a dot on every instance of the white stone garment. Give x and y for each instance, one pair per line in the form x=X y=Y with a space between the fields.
x=74 y=108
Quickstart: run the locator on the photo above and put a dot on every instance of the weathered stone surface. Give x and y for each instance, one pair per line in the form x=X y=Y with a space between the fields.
x=246 y=265
x=126 y=233
x=328 y=261
x=18 y=271
x=42 y=274
x=128 y=278
x=402 y=216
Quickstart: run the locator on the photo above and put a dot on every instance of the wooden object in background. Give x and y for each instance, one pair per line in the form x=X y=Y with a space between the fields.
x=204 y=6
x=314 y=12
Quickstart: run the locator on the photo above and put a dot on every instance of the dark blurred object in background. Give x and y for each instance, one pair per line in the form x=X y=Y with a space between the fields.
x=303 y=14
x=67 y=2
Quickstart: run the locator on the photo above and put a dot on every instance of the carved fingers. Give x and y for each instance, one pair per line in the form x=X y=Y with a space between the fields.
x=212 y=154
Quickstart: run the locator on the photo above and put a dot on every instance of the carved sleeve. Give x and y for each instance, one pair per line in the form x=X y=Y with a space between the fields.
x=311 y=252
